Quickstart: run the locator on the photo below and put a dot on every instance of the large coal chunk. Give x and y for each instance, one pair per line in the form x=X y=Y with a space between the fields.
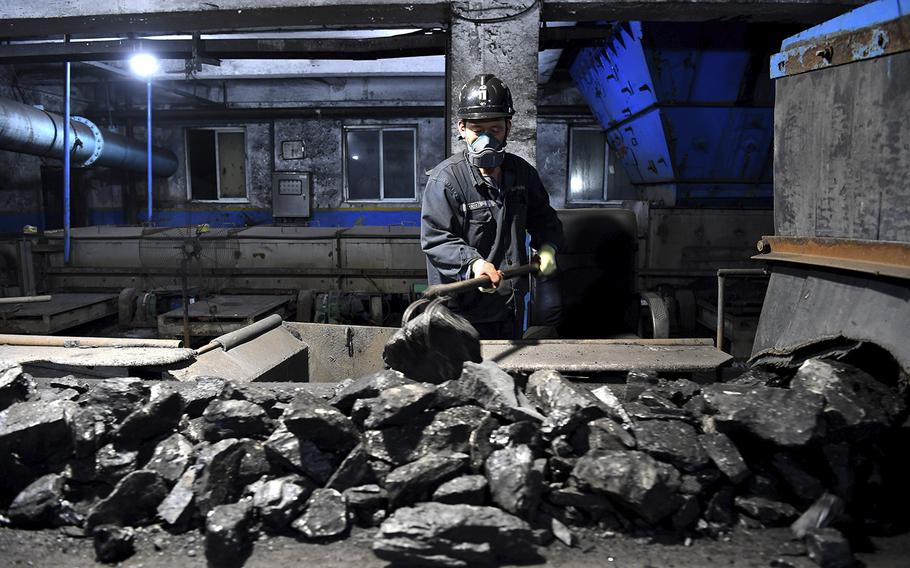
x=133 y=502
x=228 y=532
x=489 y=387
x=855 y=402
x=158 y=417
x=671 y=441
x=171 y=457
x=435 y=534
x=829 y=548
x=326 y=515
x=292 y=454
x=725 y=456
x=451 y=430
x=548 y=390
x=203 y=391
x=516 y=479
x=114 y=399
x=367 y=504
x=602 y=434
x=113 y=544
x=353 y=471
x=394 y=406
x=310 y=418
x=642 y=484
x=15 y=386
x=235 y=419
x=112 y=463
x=41 y=504
x=785 y=417
x=280 y=501
x=824 y=512
x=37 y=432
x=464 y=490
x=368 y=386
x=416 y=481
x=89 y=431
x=219 y=480
x=179 y=508
x=614 y=406
x=396 y=445
x=803 y=485
x=756 y=376
x=517 y=433
x=767 y=512
x=433 y=346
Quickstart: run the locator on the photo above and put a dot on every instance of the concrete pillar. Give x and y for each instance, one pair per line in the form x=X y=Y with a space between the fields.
x=507 y=49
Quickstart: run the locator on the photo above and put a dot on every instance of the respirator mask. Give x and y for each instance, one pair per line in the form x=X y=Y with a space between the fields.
x=486 y=151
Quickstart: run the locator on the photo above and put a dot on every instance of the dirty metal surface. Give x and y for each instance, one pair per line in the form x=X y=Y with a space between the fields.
x=839 y=49
x=63 y=311
x=338 y=352
x=605 y=355
x=221 y=314
x=276 y=355
x=806 y=305
x=840 y=159
x=873 y=257
x=95 y=356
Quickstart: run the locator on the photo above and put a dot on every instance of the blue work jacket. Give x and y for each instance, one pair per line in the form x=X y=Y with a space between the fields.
x=464 y=218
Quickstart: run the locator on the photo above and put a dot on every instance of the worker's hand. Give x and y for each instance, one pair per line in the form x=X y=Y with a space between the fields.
x=547 y=259
x=484 y=268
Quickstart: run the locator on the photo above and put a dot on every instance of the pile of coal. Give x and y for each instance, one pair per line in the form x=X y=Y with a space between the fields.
x=483 y=469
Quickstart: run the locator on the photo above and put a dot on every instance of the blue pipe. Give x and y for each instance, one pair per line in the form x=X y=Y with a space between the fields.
x=66 y=170
x=148 y=129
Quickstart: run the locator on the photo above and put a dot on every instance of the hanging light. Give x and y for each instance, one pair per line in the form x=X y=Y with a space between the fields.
x=144 y=64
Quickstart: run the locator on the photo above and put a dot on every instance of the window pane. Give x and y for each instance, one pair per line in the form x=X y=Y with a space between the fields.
x=232 y=163
x=586 y=168
x=202 y=164
x=362 y=164
x=398 y=164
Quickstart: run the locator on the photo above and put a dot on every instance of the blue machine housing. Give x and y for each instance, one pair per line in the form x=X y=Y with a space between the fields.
x=689 y=106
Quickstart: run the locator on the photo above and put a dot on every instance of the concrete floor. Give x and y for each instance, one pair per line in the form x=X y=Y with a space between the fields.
x=158 y=549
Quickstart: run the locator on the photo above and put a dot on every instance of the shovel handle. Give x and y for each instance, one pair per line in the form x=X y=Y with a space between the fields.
x=455 y=288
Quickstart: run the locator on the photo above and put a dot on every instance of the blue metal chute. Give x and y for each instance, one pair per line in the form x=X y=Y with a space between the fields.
x=685 y=105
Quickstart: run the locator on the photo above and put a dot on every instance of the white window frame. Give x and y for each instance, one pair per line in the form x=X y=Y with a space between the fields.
x=246 y=166
x=344 y=161
x=607 y=164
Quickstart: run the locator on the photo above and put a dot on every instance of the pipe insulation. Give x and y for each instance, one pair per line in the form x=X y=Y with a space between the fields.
x=29 y=130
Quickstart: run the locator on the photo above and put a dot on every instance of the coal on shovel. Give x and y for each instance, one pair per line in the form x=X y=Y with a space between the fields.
x=433 y=343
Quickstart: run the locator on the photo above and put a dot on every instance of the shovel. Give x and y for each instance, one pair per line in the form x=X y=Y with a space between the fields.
x=433 y=343
x=446 y=291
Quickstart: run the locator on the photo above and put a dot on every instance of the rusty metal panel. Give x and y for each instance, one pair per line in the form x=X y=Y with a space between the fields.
x=872 y=257
x=840 y=157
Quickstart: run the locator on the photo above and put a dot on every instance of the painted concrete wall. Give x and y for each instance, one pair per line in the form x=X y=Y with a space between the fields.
x=107 y=195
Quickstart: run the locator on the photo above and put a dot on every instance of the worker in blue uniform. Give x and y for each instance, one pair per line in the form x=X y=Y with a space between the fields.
x=479 y=205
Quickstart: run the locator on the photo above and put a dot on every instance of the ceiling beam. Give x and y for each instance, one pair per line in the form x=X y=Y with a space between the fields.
x=91 y=18
x=156 y=85
x=404 y=45
x=323 y=111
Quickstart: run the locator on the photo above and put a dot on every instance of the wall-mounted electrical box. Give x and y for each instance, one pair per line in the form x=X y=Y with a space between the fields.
x=291 y=194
